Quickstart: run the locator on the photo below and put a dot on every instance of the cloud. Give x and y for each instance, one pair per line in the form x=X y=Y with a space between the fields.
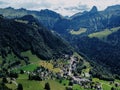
x=65 y=7
x=77 y=8
x=34 y=5
x=3 y=3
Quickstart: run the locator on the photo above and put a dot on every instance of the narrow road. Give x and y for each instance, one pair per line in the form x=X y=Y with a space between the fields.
x=70 y=67
x=70 y=71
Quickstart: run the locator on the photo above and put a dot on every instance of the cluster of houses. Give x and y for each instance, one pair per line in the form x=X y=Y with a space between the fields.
x=43 y=73
x=66 y=72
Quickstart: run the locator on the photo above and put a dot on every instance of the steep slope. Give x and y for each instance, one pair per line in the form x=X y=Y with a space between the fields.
x=95 y=23
x=104 y=52
x=97 y=20
x=47 y=17
x=102 y=45
x=18 y=37
x=92 y=20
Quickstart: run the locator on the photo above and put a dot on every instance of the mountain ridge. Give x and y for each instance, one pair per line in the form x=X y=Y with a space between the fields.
x=21 y=37
x=91 y=23
x=93 y=20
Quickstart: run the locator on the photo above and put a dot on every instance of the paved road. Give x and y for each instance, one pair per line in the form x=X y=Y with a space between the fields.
x=70 y=67
x=70 y=71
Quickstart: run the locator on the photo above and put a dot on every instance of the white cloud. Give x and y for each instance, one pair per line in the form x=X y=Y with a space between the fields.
x=65 y=7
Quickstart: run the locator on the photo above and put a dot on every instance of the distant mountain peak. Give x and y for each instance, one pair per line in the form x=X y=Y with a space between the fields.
x=9 y=8
x=94 y=9
x=113 y=8
x=22 y=9
x=50 y=13
x=47 y=11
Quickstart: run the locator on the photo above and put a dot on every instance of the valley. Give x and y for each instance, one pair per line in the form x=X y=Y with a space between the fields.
x=43 y=50
x=60 y=75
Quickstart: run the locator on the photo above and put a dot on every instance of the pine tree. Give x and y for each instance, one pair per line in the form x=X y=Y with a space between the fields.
x=20 y=87
x=47 y=86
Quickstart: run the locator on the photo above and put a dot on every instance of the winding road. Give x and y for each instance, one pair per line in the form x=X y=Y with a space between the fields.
x=72 y=59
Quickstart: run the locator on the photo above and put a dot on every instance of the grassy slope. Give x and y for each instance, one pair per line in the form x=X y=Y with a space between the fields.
x=10 y=58
x=29 y=67
x=30 y=85
x=49 y=66
x=35 y=85
x=103 y=34
x=87 y=64
x=35 y=62
x=38 y=85
x=77 y=87
x=80 y=31
x=106 y=84
x=55 y=85
x=32 y=58
x=63 y=82
x=11 y=86
x=117 y=81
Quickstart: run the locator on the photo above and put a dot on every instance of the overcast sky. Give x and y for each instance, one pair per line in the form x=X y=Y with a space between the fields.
x=64 y=7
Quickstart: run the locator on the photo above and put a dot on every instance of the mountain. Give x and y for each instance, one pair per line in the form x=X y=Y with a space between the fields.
x=103 y=53
x=78 y=14
x=94 y=9
x=100 y=42
x=47 y=17
x=92 y=20
x=18 y=35
x=93 y=33
x=97 y=20
x=113 y=8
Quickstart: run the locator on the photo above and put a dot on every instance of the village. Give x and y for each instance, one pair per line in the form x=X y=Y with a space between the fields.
x=67 y=71
x=71 y=68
